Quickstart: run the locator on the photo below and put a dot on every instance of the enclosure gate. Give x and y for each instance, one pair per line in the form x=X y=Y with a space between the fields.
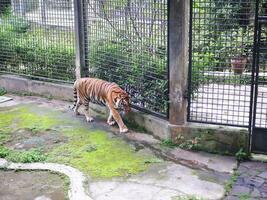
x=259 y=126
x=225 y=36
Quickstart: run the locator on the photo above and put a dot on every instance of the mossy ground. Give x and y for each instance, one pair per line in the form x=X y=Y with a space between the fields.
x=90 y=150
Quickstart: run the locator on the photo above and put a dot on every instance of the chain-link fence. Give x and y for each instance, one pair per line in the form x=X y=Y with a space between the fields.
x=37 y=38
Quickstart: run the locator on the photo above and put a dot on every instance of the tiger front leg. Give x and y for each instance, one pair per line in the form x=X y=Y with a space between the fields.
x=88 y=117
x=110 y=120
x=118 y=119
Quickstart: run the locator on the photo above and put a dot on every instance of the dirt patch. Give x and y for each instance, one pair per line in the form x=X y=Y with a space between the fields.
x=25 y=139
x=29 y=185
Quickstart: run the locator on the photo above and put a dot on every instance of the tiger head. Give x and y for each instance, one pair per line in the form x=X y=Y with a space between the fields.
x=122 y=100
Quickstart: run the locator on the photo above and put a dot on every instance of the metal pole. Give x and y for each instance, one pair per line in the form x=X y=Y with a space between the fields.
x=80 y=33
x=178 y=60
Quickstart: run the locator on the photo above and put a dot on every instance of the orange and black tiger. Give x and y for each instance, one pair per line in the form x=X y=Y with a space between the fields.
x=99 y=91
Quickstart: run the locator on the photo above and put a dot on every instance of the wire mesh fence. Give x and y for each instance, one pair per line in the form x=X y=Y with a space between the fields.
x=127 y=44
x=221 y=62
x=37 y=38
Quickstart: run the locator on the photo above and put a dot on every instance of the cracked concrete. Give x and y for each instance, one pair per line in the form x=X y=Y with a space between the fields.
x=162 y=182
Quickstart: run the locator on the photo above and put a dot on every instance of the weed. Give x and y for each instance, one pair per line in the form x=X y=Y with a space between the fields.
x=2 y=91
x=241 y=155
x=246 y=196
x=192 y=144
x=3 y=152
x=168 y=143
x=228 y=186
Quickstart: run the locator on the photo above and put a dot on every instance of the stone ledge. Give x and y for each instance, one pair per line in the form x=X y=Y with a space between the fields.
x=213 y=138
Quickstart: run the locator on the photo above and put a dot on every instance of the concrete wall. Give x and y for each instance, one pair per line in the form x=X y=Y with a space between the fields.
x=212 y=138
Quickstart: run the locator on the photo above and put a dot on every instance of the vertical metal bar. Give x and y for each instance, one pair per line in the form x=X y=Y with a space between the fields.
x=81 y=67
x=168 y=57
x=42 y=9
x=252 y=111
x=189 y=90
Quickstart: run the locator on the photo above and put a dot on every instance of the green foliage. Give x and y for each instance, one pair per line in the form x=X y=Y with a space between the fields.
x=29 y=55
x=30 y=156
x=2 y=91
x=221 y=31
x=242 y=155
x=4 y=152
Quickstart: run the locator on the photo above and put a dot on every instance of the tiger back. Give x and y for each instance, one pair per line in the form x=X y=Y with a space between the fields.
x=101 y=92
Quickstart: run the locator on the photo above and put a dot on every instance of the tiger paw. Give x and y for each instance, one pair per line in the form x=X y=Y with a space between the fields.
x=111 y=123
x=124 y=130
x=77 y=113
x=89 y=119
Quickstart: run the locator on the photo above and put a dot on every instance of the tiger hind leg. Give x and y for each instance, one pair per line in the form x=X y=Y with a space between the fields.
x=88 y=117
x=77 y=102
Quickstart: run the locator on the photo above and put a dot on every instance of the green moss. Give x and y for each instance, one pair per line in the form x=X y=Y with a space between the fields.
x=91 y=151
x=110 y=156
x=25 y=117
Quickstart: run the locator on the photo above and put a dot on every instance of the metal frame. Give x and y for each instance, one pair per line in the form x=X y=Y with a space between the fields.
x=257 y=131
x=81 y=34
x=242 y=123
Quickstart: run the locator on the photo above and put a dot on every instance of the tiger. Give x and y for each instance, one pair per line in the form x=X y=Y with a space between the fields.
x=95 y=90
